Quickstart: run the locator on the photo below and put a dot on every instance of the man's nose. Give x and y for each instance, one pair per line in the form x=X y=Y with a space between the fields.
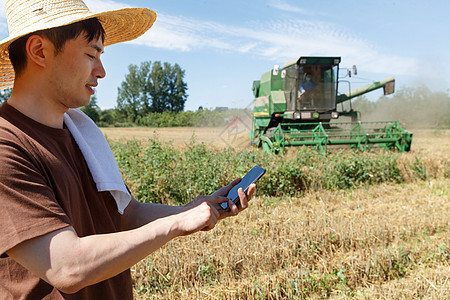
x=99 y=70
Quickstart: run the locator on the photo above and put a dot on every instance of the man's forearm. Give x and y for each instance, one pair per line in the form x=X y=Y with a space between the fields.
x=138 y=214
x=70 y=263
x=121 y=250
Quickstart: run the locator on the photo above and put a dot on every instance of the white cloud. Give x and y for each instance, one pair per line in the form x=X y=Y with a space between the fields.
x=281 y=5
x=276 y=40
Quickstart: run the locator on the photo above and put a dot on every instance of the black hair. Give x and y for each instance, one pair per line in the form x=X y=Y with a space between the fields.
x=92 y=29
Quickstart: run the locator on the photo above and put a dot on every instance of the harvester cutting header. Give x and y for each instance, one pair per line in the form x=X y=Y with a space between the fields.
x=297 y=105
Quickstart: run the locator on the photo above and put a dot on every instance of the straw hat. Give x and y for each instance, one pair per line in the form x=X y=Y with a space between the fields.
x=27 y=16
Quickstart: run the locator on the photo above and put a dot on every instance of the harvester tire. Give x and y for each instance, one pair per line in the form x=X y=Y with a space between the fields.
x=269 y=131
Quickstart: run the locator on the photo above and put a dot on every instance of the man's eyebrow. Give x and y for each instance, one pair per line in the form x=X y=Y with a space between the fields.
x=98 y=48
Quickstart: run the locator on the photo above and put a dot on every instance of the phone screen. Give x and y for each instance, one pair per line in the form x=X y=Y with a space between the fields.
x=251 y=177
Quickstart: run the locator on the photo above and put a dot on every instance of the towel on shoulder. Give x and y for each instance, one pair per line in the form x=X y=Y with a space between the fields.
x=98 y=156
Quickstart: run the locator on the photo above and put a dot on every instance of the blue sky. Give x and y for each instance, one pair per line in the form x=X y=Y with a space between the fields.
x=224 y=45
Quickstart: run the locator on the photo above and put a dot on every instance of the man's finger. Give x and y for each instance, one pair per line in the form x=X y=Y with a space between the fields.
x=234 y=210
x=216 y=199
x=223 y=191
x=242 y=199
x=251 y=191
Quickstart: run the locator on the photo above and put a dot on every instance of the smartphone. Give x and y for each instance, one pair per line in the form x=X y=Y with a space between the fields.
x=251 y=177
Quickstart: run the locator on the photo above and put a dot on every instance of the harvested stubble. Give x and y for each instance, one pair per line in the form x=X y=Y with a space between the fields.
x=385 y=241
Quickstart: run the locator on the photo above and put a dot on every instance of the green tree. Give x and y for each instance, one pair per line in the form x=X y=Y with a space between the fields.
x=4 y=95
x=168 y=88
x=107 y=117
x=151 y=88
x=92 y=109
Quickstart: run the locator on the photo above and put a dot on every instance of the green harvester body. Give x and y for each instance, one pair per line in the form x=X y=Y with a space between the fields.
x=287 y=115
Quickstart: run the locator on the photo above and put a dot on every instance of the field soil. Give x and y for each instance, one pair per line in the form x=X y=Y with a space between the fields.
x=181 y=137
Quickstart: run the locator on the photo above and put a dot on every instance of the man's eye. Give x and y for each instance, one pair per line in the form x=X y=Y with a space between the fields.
x=91 y=56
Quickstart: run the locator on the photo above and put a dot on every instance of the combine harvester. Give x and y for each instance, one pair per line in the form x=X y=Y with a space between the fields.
x=289 y=112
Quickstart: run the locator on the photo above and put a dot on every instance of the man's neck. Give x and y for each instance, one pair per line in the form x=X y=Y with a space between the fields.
x=36 y=105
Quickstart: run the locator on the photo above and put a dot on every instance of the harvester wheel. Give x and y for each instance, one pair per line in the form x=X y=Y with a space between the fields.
x=269 y=131
x=267 y=144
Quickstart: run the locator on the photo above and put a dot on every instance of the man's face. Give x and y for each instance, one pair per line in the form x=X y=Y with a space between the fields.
x=75 y=70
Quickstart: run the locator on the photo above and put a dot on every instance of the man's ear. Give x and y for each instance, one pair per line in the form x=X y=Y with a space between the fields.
x=38 y=50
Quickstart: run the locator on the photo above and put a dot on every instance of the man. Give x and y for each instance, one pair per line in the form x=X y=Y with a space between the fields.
x=306 y=96
x=307 y=84
x=62 y=238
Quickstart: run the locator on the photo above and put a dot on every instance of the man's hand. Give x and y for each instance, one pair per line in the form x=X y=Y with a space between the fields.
x=209 y=207
x=244 y=198
x=200 y=214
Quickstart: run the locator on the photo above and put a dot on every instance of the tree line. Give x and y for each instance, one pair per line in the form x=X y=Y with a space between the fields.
x=200 y=118
x=154 y=95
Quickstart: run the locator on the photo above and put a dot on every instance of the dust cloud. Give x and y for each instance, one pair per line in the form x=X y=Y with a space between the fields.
x=412 y=107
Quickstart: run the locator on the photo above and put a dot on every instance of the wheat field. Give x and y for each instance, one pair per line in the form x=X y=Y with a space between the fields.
x=385 y=241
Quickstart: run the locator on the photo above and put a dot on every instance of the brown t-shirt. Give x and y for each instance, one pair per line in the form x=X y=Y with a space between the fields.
x=45 y=185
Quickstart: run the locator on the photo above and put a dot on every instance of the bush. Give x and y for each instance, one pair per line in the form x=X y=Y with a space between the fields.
x=160 y=173
x=199 y=118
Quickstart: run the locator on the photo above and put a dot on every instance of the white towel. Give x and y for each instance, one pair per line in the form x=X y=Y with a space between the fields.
x=98 y=156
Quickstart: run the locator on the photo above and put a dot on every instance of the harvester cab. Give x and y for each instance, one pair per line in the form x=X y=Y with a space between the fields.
x=294 y=105
x=310 y=86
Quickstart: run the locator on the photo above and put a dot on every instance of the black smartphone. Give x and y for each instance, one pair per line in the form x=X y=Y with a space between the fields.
x=251 y=177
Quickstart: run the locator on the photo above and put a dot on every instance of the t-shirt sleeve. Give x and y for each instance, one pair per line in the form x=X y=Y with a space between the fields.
x=28 y=207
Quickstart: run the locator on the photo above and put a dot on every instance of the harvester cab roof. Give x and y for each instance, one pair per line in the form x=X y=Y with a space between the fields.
x=313 y=60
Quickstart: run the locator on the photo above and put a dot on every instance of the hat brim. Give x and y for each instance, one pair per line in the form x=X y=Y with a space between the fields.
x=120 y=26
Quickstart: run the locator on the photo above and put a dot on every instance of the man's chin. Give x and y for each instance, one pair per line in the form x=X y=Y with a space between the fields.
x=79 y=103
